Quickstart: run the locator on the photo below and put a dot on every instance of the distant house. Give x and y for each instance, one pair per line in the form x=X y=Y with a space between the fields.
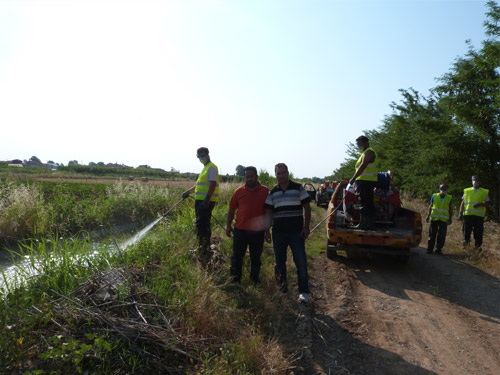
x=33 y=164
x=16 y=161
x=144 y=166
x=51 y=166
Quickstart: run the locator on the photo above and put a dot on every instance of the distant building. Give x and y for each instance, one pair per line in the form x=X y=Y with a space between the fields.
x=51 y=166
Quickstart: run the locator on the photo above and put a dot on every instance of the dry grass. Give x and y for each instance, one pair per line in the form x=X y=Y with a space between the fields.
x=488 y=260
x=179 y=184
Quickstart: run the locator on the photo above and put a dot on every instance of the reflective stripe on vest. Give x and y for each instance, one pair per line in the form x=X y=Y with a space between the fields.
x=371 y=171
x=203 y=185
x=471 y=198
x=440 y=208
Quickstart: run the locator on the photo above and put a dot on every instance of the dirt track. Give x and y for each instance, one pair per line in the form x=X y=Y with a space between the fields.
x=432 y=316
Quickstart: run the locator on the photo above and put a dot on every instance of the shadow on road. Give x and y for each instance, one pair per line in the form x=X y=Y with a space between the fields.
x=440 y=276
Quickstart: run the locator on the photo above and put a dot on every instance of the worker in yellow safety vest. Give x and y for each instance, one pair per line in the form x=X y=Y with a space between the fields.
x=440 y=214
x=472 y=212
x=206 y=195
x=365 y=178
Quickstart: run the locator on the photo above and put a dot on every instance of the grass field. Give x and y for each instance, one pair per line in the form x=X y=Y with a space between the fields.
x=154 y=309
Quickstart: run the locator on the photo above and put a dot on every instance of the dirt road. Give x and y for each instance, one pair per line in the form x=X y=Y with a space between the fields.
x=431 y=316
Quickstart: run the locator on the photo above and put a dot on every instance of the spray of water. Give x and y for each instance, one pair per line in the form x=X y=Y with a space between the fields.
x=138 y=237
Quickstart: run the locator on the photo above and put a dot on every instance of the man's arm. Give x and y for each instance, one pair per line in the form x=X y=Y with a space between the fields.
x=229 y=221
x=368 y=156
x=211 y=188
x=461 y=210
x=429 y=213
x=307 y=220
x=268 y=221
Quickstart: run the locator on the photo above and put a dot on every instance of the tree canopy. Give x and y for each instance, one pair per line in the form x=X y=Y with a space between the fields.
x=451 y=134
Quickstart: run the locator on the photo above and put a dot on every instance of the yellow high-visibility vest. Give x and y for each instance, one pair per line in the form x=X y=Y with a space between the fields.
x=471 y=198
x=203 y=185
x=440 y=208
x=371 y=171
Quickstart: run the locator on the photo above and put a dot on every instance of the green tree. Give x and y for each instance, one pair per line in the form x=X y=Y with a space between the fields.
x=470 y=92
x=240 y=170
x=35 y=159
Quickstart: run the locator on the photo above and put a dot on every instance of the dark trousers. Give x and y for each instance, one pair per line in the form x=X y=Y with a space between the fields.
x=255 y=242
x=365 y=189
x=476 y=224
x=295 y=240
x=203 y=215
x=437 y=229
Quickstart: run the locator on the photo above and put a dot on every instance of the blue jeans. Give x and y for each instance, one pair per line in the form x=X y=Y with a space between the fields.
x=255 y=242
x=281 y=241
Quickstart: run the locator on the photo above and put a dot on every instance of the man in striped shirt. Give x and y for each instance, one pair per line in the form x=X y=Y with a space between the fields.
x=289 y=205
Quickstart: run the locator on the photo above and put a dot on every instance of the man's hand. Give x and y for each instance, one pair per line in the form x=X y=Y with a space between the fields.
x=427 y=219
x=305 y=232
x=206 y=202
x=460 y=216
x=477 y=205
x=229 y=229
x=268 y=236
x=185 y=195
x=352 y=181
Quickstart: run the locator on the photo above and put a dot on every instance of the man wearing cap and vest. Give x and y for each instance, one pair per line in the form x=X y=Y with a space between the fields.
x=366 y=177
x=440 y=214
x=472 y=212
x=206 y=195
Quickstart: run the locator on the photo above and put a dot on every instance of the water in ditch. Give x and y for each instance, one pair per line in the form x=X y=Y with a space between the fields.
x=13 y=258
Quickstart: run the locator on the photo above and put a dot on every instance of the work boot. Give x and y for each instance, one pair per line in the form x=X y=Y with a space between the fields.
x=362 y=223
x=365 y=223
x=372 y=222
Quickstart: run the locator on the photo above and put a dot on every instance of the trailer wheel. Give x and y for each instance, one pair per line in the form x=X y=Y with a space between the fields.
x=331 y=253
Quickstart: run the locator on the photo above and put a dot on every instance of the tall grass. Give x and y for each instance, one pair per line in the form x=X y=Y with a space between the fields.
x=190 y=320
x=43 y=210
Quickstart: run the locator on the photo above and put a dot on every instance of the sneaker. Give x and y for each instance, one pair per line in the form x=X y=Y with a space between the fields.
x=303 y=298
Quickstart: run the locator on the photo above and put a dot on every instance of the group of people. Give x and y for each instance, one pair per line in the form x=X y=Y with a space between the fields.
x=286 y=208
x=472 y=211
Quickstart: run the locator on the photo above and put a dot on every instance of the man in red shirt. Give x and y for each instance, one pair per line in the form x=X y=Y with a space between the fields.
x=249 y=228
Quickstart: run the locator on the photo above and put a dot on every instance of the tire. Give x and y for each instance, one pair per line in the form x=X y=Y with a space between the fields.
x=331 y=253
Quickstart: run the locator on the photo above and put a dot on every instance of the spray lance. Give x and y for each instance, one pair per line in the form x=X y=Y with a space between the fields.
x=333 y=211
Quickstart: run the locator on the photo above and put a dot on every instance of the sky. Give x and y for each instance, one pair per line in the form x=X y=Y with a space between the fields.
x=257 y=82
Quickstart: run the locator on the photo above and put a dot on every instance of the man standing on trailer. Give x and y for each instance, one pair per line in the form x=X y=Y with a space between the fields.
x=440 y=214
x=366 y=177
x=472 y=212
x=206 y=195
x=248 y=204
